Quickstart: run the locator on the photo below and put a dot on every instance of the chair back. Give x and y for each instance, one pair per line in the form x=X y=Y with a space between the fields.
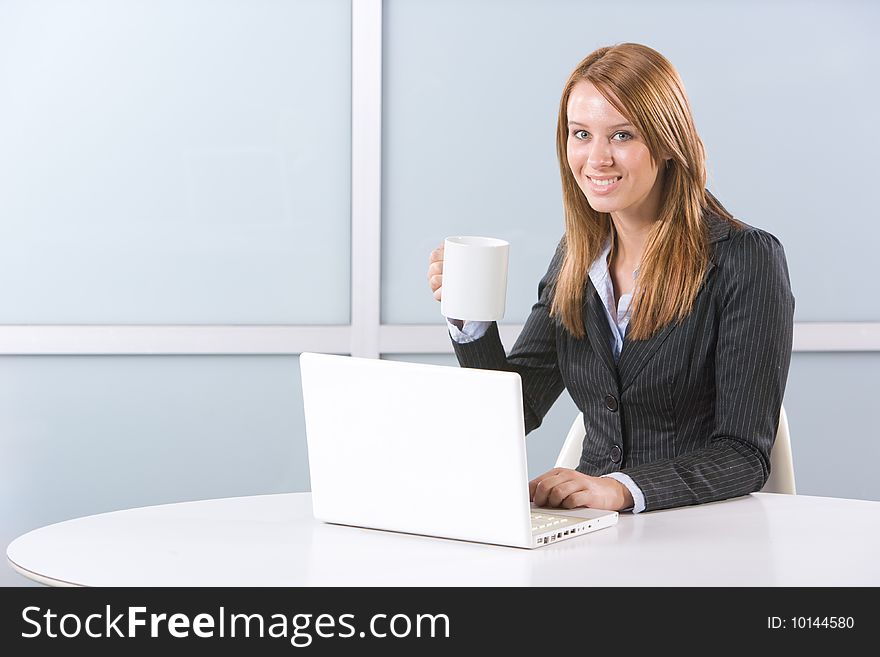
x=570 y=454
x=781 y=478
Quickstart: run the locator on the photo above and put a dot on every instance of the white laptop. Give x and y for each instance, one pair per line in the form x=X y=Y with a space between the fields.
x=426 y=449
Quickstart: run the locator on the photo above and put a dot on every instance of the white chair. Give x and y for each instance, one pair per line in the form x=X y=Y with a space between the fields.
x=781 y=465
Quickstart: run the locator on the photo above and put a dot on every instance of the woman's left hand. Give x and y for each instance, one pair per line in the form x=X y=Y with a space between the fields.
x=568 y=489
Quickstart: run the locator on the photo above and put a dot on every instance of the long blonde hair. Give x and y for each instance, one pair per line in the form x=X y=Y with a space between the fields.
x=645 y=88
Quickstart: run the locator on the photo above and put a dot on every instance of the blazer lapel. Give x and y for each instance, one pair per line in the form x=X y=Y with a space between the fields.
x=596 y=326
x=636 y=354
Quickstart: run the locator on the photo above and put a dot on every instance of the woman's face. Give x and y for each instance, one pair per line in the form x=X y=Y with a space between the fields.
x=608 y=157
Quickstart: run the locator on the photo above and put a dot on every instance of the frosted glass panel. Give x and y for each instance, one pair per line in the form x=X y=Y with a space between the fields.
x=175 y=162
x=835 y=438
x=83 y=435
x=779 y=92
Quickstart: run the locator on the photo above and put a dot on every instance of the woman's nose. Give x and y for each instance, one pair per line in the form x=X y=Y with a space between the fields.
x=600 y=155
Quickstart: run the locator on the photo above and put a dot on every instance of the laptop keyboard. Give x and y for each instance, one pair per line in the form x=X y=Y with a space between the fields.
x=542 y=522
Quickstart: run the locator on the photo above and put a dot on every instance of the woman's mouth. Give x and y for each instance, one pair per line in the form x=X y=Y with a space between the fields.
x=603 y=185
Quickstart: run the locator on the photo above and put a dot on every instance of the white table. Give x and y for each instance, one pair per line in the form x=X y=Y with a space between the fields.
x=759 y=540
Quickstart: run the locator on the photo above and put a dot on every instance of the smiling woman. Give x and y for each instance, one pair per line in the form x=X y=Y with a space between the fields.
x=630 y=155
x=652 y=307
x=601 y=151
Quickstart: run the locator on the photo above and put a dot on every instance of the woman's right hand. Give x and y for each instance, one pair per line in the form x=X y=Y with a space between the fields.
x=435 y=272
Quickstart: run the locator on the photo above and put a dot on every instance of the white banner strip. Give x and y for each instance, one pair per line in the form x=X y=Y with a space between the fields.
x=393 y=339
x=808 y=336
x=837 y=336
x=177 y=340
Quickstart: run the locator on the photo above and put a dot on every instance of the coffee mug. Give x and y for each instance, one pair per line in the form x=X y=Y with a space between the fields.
x=474 y=278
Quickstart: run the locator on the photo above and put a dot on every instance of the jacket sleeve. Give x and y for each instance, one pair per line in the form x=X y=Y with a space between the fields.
x=533 y=356
x=753 y=352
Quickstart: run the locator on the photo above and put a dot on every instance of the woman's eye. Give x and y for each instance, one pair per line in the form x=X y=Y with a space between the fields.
x=581 y=134
x=622 y=136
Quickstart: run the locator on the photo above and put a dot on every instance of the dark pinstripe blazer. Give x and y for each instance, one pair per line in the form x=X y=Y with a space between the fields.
x=690 y=414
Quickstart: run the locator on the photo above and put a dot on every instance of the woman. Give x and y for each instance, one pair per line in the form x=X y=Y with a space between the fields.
x=668 y=321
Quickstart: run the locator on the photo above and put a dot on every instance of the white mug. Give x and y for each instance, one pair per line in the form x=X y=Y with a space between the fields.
x=474 y=278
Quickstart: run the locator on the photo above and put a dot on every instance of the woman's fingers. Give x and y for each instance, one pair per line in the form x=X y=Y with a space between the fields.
x=544 y=486
x=563 y=491
x=533 y=484
x=568 y=489
x=435 y=272
x=578 y=499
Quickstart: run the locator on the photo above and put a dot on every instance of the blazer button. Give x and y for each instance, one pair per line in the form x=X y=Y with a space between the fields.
x=615 y=454
x=611 y=403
